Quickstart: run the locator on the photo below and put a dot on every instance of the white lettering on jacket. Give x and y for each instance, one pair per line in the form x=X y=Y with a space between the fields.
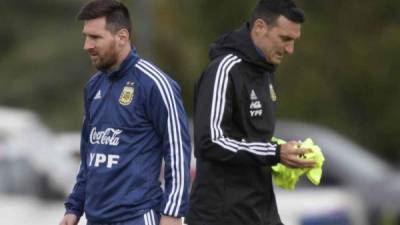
x=107 y=137
x=255 y=105
x=99 y=159
x=254 y=113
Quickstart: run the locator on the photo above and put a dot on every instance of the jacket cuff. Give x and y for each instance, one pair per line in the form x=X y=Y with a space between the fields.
x=277 y=157
x=75 y=212
x=178 y=216
x=272 y=160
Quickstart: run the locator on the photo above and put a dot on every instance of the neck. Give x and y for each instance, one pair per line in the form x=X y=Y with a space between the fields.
x=253 y=36
x=253 y=39
x=121 y=57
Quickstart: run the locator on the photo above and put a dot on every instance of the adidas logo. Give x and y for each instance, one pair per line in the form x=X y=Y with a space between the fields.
x=253 y=96
x=98 y=95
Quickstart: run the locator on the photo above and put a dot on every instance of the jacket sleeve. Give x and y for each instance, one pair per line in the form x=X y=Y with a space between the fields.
x=75 y=201
x=167 y=114
x=215 y=99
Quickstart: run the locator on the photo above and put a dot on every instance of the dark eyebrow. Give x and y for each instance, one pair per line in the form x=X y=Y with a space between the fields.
x=90 y=35
x=286 y=38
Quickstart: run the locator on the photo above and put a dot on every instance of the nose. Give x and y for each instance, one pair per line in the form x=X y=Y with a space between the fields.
x=289 y=48
x=89 y=44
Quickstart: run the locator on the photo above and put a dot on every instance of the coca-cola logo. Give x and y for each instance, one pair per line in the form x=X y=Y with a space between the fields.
x=107 y=137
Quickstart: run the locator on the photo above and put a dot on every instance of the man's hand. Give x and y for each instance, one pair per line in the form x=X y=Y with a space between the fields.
x=291 y=156
x=69 y=219
x=169 y=220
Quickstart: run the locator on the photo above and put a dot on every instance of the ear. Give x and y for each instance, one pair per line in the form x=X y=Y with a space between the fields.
x=260 y=26
x=123 y=37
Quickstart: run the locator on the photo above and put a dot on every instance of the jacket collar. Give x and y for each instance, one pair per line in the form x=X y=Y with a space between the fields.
x=239 y=42
x=128 y=62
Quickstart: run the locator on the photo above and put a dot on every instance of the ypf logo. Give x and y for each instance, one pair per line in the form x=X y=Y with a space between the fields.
x=98 y=159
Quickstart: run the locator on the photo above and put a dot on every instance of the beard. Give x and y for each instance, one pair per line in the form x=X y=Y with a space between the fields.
x=104 y=61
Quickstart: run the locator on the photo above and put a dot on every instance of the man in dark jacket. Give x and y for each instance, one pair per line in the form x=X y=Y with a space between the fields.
x=234 y=121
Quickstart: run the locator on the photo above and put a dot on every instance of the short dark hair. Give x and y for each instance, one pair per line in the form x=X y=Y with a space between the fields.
x=270 y=10
x=116 y=14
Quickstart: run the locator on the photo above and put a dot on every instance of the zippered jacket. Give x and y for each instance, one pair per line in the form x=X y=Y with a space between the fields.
x=234 y=121
x=134 y=119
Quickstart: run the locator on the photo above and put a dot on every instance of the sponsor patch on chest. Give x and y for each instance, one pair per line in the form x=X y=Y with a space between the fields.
x=107 y=160
x=255 y=107
x=109 y=136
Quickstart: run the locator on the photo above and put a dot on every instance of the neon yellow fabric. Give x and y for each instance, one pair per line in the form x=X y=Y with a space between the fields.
x=287 y=178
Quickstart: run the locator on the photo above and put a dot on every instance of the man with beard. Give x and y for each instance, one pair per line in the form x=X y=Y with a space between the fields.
x=134 y=118
x=234 y=121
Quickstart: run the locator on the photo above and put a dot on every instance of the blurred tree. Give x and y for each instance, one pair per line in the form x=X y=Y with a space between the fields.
x=343 y=72
x=42 y=68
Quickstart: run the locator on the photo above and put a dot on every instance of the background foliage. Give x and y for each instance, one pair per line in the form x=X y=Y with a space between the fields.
x=343 y=73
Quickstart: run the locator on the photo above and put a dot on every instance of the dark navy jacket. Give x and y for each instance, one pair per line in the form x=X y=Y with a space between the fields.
x=134 y=118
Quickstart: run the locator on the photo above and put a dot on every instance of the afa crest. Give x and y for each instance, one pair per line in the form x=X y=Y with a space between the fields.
x=127 y=94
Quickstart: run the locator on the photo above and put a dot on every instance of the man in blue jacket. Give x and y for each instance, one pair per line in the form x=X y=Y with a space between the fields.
x=134 y=118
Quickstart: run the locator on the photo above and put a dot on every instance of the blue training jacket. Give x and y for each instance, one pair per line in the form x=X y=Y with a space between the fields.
x=134 y=118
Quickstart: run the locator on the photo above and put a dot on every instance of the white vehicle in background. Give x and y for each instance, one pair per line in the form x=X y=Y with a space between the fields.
x=69 y=143
x=366 y=178
x=320 y=206
x=31 y=161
